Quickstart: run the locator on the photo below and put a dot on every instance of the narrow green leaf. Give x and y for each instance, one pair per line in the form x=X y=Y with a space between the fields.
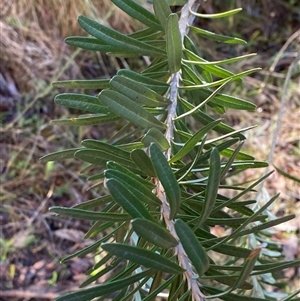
x=129 y=174
x=101 y=271
x=226 y=279
x=209 y=69
x=138 y=12
x=274 y=267
x=223 y=62
x=147 y=33
x=100 y=157
x=251 y=218
x=129 y=110
x=162 y=11
x=172 y=2
x=192 y=247
x=228 y=249
x=196 y=108
x=92 y=44
x=82 y=84
x=127 y=199
x=103 y=289
x=137 y=92
x=231 y=160
x=227 y=101
x=143 y=257
x=167 y=178
x=205 y=119
x=221 y=81
x=153 y=84
x=143 y=162
x=228 y=296
x=157 y=67
x=191 y=143
x=158 y=286
x=103 y=146
x=81 y=102
x=96 y=202
x=174 y=44
x=247 y=268
x=90 y=215
x=231 y=222
x=287 y=175
x=213 y=183
x=83 y=252
x=143 y=193
x=156 y=136
x=60 y=155
x=154 y=233
x=219 y=15
x=265 y=225
x=114 y=38
x=217 y=37
x=91 y=119
x=192 y=49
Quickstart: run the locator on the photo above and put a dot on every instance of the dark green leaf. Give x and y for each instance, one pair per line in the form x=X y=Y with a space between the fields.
x=117 y=40
x=60 y=155
x=287 y=175
x=166 y=176
x=228 y=101
x=217 y=37
x=192 y=247
x=96 y=202
x=89 y=215
x=92 y=44
x=154 y=233
x=138 y=12
x=91 y=119
x=137 y=92
x=213 y=183
x=237 y=76
x=229 y=296
x=162 y=11
x=222 y=62
x=143 y=162
x=96 y=144
x=226 y=279
x=156 y=136
x=153 y=84
x=129 y=173
x=128 y=109
x=143 y=257
x=173 y=2
x=174 y=44
x=143 y=193
x=205 y=119
x=100 y=157
x=127 y=199
x=103 y=289
x=247 y=268
x=190 y=144
x=82 y=84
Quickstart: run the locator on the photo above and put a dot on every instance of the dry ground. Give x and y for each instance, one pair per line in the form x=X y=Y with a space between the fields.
x=33 y=55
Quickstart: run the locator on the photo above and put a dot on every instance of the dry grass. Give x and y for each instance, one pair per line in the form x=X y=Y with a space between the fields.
x=33 y=54
x=32 y=44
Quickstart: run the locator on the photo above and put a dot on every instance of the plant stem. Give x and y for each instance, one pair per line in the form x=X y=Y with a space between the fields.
x=186 y=18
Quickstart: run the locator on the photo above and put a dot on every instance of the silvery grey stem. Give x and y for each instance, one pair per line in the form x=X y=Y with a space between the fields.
x=186 y=18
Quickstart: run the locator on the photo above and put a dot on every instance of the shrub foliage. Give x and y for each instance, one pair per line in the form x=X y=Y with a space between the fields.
x=163 y=182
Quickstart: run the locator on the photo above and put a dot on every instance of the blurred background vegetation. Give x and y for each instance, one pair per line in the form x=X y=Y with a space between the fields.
x=33 y=55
